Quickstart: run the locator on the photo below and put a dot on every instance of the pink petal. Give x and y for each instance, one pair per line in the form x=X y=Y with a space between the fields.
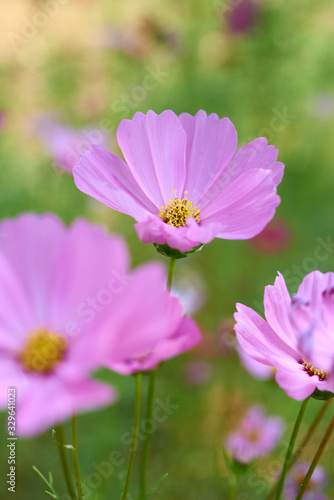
x=11 y=375
x=16 y=314
x=245 y=207
x=141 y=315
x=259 y=370
x=154 y=230
x=258 y=339
x=37 y=411
x=312 y=287
x=186 y=336
x=254 y=155
x=62 y=268
x=154 y=148
x=211 y=143
x=328 y=308
x=277 y=306
x=295 y=381
x=105 y=177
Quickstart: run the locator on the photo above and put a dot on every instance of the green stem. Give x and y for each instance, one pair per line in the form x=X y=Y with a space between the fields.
x=310 y=432
x=148 y=435
x=316 y=459
x=64 y=460
x=145 y=454
x=289 y=452
x=134 y=440
x=233 y=487
x=76 y=455
x=171 y=270
x=305 y=441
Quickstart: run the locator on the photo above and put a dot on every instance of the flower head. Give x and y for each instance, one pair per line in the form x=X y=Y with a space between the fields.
x=70 y=305
x=183 y=181
x=47 y=334
x=66 y=144
x=297 y=336
x=314 y=490
x=242 y=18
x=256 y=436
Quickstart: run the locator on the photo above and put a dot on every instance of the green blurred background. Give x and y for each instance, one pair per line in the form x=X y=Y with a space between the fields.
x=276 y=79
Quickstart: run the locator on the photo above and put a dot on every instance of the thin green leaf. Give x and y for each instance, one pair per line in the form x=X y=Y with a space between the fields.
x=53 y=492
x=156 y=486
x=49 y=493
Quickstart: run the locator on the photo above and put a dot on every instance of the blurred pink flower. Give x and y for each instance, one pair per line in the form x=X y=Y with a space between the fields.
x=315 y=487
x=258 y=370
x=256 y=436
x=242 y=17
x=47 y=340
x=152 y=330
x=191 y=293
x=69 y=305
x=184 y=183
x=322 y=106
x=297 y=336
x=65 y=144
x=2 y=120
x=198 y=372
x=275 y=238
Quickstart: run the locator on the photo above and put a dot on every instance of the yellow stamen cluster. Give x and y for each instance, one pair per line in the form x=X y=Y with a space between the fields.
x=253 y=436
x=42 y=352
x=311 y=370
x=177 y=211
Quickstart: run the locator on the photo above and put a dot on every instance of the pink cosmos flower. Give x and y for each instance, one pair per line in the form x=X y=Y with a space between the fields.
x=183 y=181
x=68 y=302
x=47 y=349
x=66 y=144
x=314 y=490
x=257 y=436
x=297 y=336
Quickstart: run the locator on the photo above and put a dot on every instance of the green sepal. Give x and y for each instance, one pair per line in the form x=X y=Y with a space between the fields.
x=167 y=251
x=234 y=467
x=322 y=395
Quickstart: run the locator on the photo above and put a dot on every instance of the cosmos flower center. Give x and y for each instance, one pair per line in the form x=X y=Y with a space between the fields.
x=311 y=370
x=42 y=351
x=177 y=211
x=253 y=436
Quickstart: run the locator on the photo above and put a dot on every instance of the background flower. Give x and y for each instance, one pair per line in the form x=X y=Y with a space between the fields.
x=256 y=436
x=65 y=144
x=241 y=17
x=314 y=490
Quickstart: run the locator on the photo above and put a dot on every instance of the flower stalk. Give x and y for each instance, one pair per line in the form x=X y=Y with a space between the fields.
x=134 y=441
x=147 y=437
x=145 y=454
x=64 y=460
x=316 y=459
x=289 y=453
x=76 y=456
